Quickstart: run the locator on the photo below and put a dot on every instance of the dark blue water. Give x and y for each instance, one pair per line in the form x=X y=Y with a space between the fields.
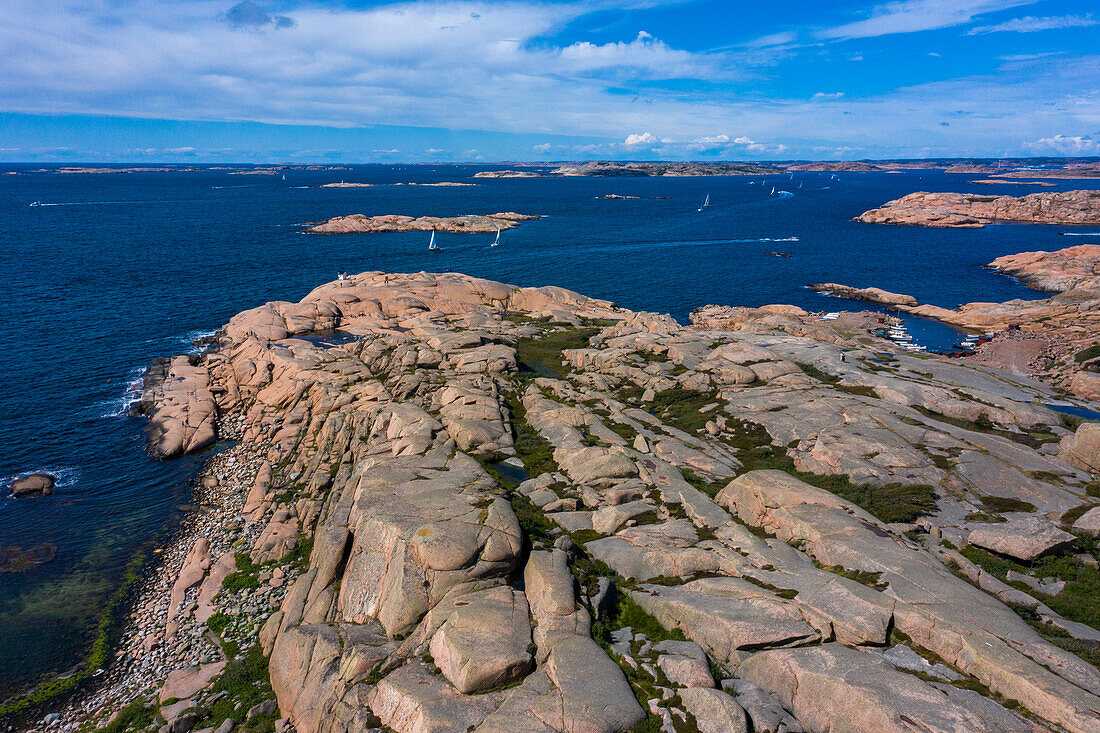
x=126 y=267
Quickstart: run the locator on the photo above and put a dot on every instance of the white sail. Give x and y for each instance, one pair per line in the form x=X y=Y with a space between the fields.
x=773 y=190
x=497 y=240
x=431 y=243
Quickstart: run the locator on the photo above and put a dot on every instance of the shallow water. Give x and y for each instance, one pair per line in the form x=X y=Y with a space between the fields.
x=113 y=270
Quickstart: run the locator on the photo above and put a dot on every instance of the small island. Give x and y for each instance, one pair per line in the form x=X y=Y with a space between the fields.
x=970 y=211
x=467 y=224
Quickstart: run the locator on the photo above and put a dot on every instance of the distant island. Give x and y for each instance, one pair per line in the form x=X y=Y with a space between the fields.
x=467 y=224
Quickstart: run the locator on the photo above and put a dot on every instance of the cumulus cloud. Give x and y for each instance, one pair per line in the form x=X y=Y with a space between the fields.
x=1030 y=24
x=712 y=139
x=1064 y=145
x=541 y=147
x=643 y=138
x=248 y=14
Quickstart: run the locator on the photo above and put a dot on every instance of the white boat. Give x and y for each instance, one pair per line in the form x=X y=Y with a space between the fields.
x=284 y=176
x=773 y=191
x=36 y=203
x=496 y=241
x=432 y=246
x=706 y=203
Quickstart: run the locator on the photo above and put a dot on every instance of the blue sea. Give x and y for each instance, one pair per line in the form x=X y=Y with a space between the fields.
x=115 y=269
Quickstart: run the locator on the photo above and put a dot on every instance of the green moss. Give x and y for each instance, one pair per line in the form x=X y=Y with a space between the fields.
x=219 y=622
x=710 y=488
x=531 y=519
x=871 y=580
x=626 y=432
x=681 y=407
x=787 y=593
x=134 y=716
x=857 y=389
x=999 y=504
x=811 y=371
x=985 y=518
x=1068 y=518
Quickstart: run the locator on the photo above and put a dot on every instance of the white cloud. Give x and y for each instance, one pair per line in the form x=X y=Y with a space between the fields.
x=185 y=149
x=644 y=138
x=911 y=16
x=1064 y=145
x=825 y=95
x=711 y=140
x=1030 y=24
x=743 y=140
x=391 y=151
x=542 y=147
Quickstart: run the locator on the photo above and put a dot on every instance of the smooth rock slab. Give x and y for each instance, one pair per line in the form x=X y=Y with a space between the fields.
x=1023 y=539
x=484 y=642
x=841 y=690
x=37 y=484
x=1089 y=522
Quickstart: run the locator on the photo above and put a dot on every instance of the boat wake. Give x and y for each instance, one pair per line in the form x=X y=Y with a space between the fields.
x=1080 y=234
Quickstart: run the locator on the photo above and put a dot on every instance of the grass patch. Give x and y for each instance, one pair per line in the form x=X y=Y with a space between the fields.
x=999 y=504
x=857 y=389
x=245 y=683
x=247 y=575
x=134 y=716
x=1087 y=354
x=534 y=450
x=811 y=371
x=871 y=580
x=681 y=407
x=624 y=431
x=893 y=502
x=543 y=355
x=1079 y=600
x=710 y=488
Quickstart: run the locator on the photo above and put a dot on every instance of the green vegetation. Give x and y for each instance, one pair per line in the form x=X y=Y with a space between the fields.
x=999 y=504
x=681 y=407
x=893 y=502
x=247 y=575
x=1087 y=354
x=811 y=371
x=1033 y=436
x=1079 y=600
x=624 y=431
x=542 y=356
x=710 y=488
x=534 y=450
x=871 y=580
x=219 y=622
x=532 y=521
x=245 y=683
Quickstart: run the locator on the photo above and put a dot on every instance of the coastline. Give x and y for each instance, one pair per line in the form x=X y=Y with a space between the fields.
x=448 y=343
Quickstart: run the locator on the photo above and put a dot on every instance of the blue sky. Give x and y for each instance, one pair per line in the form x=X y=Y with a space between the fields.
x=298 y=81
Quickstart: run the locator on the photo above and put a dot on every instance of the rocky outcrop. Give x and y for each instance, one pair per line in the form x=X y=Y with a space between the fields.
x=507 y=174
x=527 y=510
x=872 y=295
x=964 y=210
x=472 y=224
x=1055 y=272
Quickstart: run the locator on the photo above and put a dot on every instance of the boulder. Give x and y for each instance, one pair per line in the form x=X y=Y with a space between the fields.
x=714 y=710
x=1089 y=522
x=1082 y=449
x=483 y=644
x=184 y=683
x=1023 y=539
x=36 y=484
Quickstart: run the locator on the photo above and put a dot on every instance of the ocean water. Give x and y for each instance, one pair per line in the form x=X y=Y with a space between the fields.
x=114 y=269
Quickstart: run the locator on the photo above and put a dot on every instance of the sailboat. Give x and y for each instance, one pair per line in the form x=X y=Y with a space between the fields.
x=706 y=203
x=432 y=246
x=284 y=176
x=773 y=191
x=36 y=203
x=496 y=241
